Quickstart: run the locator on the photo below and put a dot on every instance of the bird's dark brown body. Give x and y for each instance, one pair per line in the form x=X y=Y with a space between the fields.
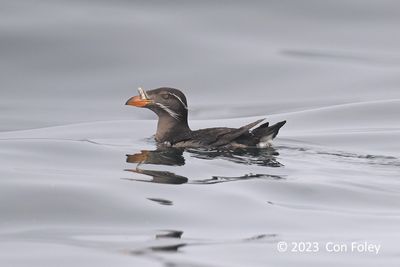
x=173 y=130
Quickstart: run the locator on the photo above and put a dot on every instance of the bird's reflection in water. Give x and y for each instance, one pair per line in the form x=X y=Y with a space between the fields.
x=160 y=177
x=161 y=156
x=175 y=157
x=248 y=156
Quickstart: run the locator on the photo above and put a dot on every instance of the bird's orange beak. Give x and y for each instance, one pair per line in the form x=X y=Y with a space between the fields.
x=137 y=101
x=140 y=100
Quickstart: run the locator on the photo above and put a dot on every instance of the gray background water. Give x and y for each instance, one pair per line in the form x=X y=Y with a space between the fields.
x=331 y=68
x=73 y=61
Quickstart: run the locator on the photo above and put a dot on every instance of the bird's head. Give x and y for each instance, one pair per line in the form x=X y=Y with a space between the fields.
x=164 y=101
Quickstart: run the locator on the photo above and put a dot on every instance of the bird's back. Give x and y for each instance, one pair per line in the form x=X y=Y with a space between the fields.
x=219 y=137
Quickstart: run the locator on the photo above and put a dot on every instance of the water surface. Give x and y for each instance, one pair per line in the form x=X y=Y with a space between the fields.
x=83 y=183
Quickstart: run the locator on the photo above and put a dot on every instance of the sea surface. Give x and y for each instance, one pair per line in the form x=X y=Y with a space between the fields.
x=83 y=184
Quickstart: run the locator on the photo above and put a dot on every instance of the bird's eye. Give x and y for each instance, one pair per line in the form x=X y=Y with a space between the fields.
x=165 y=96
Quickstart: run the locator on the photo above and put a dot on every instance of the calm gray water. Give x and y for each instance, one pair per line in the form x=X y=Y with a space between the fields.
x=81 y=181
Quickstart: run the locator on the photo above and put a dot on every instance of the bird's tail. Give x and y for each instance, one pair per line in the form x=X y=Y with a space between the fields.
x=265 y=133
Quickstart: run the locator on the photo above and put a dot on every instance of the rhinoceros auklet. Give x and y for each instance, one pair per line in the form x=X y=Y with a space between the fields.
x=170 y=105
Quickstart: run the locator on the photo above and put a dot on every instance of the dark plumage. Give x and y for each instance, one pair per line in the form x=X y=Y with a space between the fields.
x=173 y=130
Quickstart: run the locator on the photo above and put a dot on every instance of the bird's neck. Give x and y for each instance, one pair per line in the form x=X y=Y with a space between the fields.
x=170 y=129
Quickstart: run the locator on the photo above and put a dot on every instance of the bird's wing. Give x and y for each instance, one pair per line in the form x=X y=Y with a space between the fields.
x=232 y=135
x=221 y=136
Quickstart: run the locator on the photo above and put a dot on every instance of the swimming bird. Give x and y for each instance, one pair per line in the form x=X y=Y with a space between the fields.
x=173 y=130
